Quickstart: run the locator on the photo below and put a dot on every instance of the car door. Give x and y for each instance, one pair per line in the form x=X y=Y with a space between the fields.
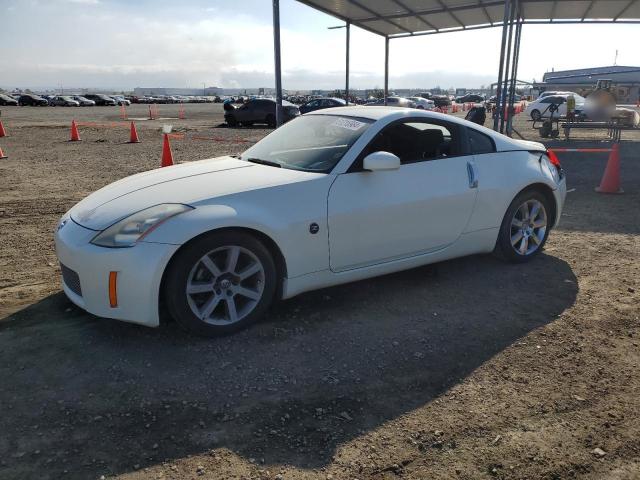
x=424 y=206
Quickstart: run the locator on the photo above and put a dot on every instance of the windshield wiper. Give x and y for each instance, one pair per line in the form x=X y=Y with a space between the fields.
x=264 y=162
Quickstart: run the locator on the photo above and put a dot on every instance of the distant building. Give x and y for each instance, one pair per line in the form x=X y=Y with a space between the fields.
x=208 y=91
x=625 y=81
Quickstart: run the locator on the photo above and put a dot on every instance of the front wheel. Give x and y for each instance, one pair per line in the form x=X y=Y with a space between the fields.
x=220 y=283
x=536 y=115
x=525 y=228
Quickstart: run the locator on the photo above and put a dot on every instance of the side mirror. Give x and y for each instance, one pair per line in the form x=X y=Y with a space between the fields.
x=381 y=161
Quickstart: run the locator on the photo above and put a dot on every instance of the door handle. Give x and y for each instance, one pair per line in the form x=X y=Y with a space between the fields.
x=471 y=172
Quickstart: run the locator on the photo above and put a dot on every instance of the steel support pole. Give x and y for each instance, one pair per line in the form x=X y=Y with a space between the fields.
x=496 y=114
x=514 y=73
x=278 y=67
x=346 y=80
x=507 y=67
x=386 y=69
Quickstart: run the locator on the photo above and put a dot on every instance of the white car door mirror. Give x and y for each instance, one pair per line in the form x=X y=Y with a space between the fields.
x=381 y=161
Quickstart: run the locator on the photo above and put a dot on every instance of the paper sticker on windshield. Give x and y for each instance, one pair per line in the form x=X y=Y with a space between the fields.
x=349 y=124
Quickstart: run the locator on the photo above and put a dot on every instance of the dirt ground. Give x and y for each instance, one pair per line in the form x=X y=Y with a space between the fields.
x=468 y=369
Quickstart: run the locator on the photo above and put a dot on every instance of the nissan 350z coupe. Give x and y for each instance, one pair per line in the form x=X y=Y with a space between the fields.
x=333 y=196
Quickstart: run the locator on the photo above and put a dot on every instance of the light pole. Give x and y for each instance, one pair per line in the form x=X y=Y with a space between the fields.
x=346 y=81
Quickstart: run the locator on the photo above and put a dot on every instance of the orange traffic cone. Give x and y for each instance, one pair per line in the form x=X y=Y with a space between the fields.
x=133 y=138
x=167 y=156
x=610 y=182
x=2 y=132
x=2 y=155
x=75 y=136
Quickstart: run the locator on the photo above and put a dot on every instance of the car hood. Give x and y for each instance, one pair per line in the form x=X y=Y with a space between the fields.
x=188 y=183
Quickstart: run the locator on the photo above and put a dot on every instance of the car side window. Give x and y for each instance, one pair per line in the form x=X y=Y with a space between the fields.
x=479 y=142
x=414 y=141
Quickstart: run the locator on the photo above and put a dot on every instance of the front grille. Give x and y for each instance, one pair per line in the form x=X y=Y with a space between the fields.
x=71 y=280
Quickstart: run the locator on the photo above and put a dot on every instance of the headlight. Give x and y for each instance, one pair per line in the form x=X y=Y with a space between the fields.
x=128 y=231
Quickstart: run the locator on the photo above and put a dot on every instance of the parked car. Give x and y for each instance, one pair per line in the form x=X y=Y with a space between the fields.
x=394 y=102
x=423 y=103
x=120 y=100
x=539 y=108
x=6 y=100
x=441 y=100
x=32 y=100
x=63 y=101
x=555 y=93
x=470 y=98
x=84 y=102
x=320 y=103
x=101 y=99
x=331 y=197
x=261 y=110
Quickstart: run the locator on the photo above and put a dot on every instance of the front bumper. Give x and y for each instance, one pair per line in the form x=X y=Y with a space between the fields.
x=139 y=270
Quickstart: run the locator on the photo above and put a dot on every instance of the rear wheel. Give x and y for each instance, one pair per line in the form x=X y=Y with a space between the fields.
x=525 y=227
x=220 y=283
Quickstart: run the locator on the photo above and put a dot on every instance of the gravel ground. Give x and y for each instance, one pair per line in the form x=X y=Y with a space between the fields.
x=467 y=369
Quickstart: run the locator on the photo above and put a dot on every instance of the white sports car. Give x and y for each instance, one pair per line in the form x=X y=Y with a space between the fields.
x=333 y=196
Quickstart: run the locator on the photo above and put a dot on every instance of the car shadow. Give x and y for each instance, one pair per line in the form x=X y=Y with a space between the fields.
x=90 y=396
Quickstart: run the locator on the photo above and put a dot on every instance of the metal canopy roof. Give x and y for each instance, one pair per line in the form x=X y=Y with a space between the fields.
x=400 y=18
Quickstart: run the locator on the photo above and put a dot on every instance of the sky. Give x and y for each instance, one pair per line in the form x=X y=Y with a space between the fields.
x=122 y=44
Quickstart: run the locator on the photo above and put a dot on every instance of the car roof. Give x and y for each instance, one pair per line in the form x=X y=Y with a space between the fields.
x=503 y=143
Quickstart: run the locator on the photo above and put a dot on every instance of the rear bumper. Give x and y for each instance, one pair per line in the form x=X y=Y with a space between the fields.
x=139 y=274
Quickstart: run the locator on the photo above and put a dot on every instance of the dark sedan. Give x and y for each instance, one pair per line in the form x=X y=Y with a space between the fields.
x=259 y=110
x=63 y=101
x=320 y=103
x=441 y=100
x=6 y=100
x=32 y=100
x=470 y=98
x=101 y=99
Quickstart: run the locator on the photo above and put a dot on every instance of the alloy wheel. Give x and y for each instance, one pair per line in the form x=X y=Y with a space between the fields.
x=225 y=285
x=528 y=227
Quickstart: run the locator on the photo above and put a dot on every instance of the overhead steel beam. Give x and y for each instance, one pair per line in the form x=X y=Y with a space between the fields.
x=451 y=14
x=418 y=16
x=430 y=11
x=310 y=3
x=554 y=7
x=586 y=12
x=625 y=9
x=486 y=13
x=524 y=22
x=278 y=66
x=377 y=15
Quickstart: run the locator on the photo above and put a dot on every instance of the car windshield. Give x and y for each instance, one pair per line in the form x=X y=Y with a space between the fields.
x=313 y=143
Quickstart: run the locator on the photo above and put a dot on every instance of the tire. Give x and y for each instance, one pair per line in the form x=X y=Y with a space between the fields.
x=232 y=122
x=271 y=120
x=519 y=240
x=217 y=290
x=536 y=115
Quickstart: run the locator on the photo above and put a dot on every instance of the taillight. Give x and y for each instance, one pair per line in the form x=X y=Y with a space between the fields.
x=553 y=158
